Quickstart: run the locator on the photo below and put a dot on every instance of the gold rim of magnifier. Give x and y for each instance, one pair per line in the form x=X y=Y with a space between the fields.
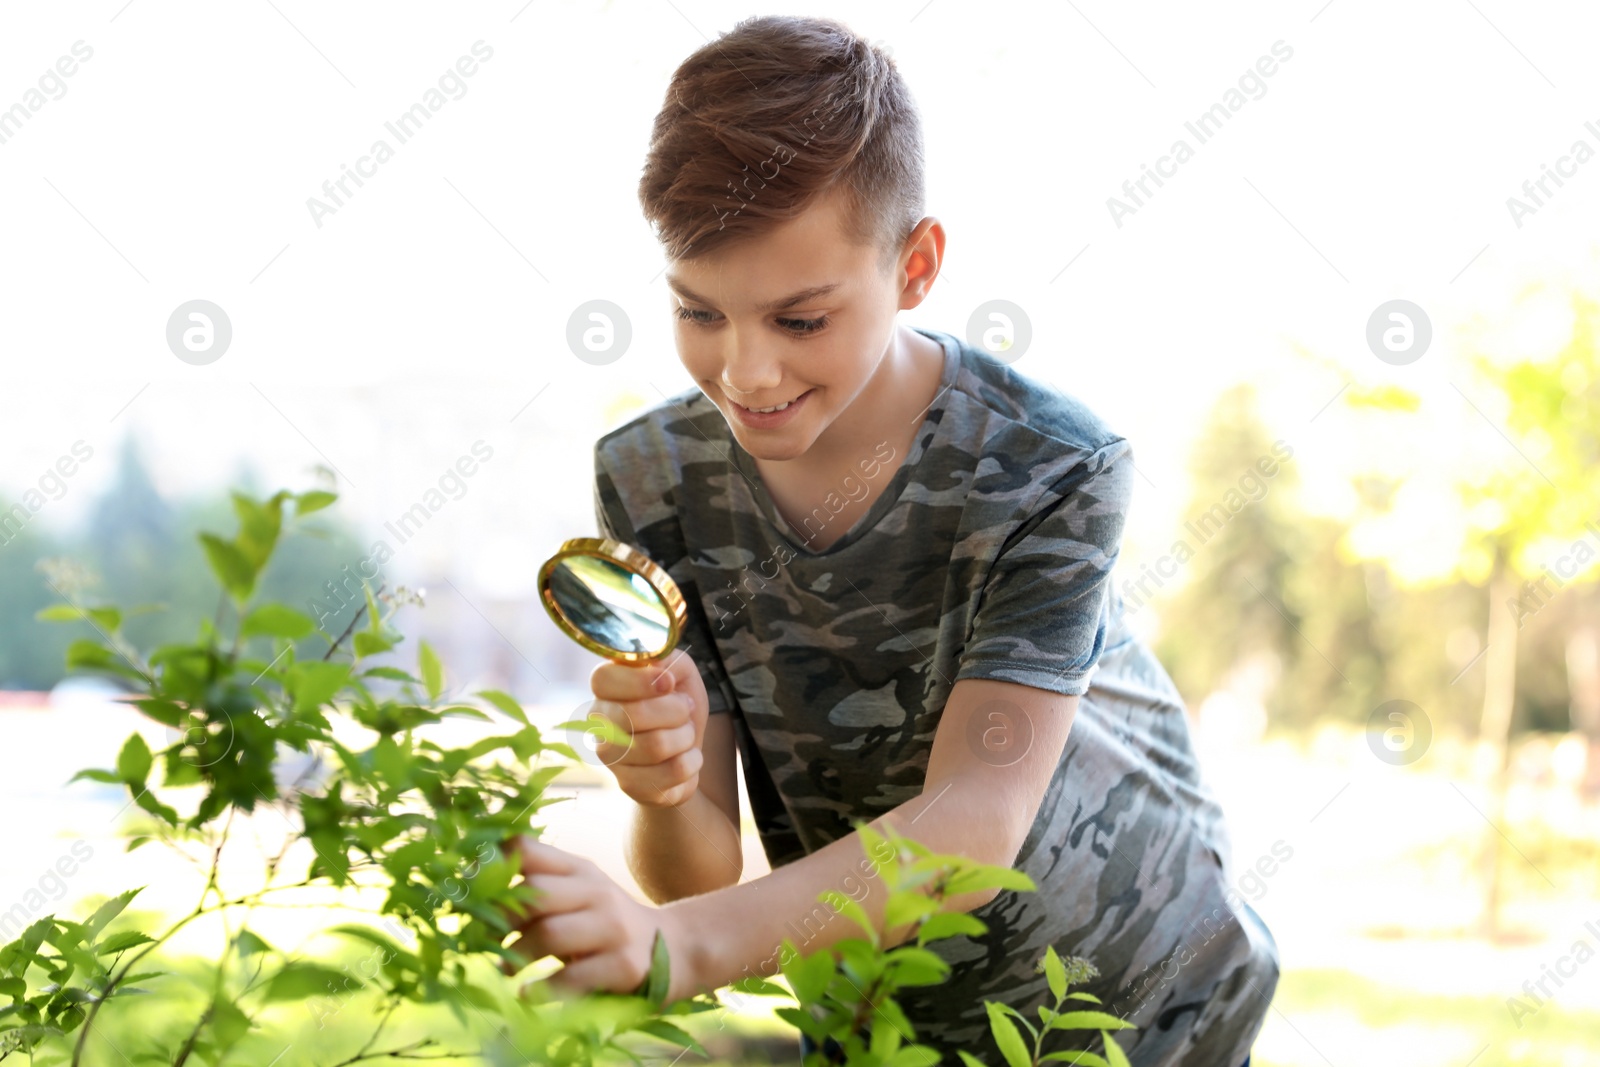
x=630 y=559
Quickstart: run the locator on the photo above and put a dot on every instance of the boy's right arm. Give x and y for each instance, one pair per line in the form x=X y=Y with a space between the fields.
x=680 y=770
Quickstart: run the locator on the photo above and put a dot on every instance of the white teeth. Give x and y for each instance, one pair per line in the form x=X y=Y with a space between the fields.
x=780 y=407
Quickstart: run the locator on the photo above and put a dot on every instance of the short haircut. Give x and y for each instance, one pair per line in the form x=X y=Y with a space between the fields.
x=772 y=115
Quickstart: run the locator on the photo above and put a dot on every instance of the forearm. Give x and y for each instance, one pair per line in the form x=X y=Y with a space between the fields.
x=683 y=851
x=738 y=931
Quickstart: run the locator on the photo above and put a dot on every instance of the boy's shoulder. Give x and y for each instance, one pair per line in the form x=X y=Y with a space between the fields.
x=672 y=433
x=1019 y=405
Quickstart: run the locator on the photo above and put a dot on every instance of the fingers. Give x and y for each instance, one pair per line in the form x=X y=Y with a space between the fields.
x=606 y=971
x=660 y=788
x=539 y=858
x=557 y=894
x=570 y=935
x=631 y=681
x=648 y=748
x=636 y=717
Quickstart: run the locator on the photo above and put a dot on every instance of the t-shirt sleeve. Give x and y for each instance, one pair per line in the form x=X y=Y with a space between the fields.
x=665 y=547
x=1044 y=609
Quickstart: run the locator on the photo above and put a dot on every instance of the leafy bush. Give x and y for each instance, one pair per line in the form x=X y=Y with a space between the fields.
x=425 y=826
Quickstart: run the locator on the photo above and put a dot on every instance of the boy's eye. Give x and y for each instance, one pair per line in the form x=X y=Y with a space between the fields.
x=701 y=317
x=693 y=315
x=803 y=325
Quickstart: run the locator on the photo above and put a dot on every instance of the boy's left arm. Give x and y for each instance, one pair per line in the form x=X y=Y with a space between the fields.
x=994 y=753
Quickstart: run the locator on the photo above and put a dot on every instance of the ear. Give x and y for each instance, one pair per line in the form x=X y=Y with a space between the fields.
x=919 y=262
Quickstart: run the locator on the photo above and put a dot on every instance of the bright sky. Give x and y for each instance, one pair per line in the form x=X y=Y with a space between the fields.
x=430 y=311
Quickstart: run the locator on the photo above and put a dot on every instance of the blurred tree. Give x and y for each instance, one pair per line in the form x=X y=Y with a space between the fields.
x=143 y=551
x=31 y=653
x=1542 y=532
x=1234 y=551
x=1504 y=518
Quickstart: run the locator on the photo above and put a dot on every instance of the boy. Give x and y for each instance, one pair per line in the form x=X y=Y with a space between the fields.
x=900 y=605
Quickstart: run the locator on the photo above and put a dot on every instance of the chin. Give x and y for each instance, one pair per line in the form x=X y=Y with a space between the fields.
x=764 y=447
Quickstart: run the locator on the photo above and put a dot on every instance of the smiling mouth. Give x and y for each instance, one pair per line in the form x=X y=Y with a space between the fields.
x=770 y=408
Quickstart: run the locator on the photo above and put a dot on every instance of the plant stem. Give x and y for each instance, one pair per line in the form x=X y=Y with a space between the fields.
x=353 y=620
x=393 y=1004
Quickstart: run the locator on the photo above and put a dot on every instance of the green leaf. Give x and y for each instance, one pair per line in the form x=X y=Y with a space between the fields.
x=432 y=673
x=808 y=976
x=296 y=981
x=1007 y=1037
x=121 y=942
x=656 y=983
x=108 y=911
x=1090 y=997
x=88 y=655
x=259 y=523
x=230 y=566
x=105 y=618
x=133 y=762
x=872 y=843
x=1115 y=1057
x=988 y=876
x=228 y=1023
x=371 y=936
x=147 y=800
x=1086 y=1059
x=465 y=711
x=393 y=674
x=1054 y=973
x=315 y=682
x=1089 y=1020
x=314 y=500
x=368 y=643
x=756 y=986
x=949 y=924
x=969 y=1060
x=250 y=944
x=914 y=1056
x=506 y=704
x=803 y=1021
x=918 y=966
x=850 y=910
x=908 y=907
x=165 y=712
x=276 y=620
x=94 y=774
x=668 y=1032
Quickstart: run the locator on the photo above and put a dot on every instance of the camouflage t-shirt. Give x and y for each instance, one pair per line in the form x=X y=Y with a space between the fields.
x=988 y=554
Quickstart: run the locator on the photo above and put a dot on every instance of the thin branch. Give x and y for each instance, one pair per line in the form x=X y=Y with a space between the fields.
x=353 y=620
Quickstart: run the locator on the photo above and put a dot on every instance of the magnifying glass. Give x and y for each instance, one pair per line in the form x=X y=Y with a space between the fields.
x=612 y=599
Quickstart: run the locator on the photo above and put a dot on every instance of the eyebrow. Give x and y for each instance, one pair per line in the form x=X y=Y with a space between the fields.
x=784 y=304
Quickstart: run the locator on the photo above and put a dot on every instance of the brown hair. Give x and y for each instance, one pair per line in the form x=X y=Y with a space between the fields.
x=772 y=115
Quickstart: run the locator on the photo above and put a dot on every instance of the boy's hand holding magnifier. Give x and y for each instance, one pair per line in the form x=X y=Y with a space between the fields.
x=648 y=720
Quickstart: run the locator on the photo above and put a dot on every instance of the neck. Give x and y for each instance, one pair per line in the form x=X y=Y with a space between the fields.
x=890 y=407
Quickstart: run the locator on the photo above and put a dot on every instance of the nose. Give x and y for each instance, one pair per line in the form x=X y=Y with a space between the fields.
x=749 y=372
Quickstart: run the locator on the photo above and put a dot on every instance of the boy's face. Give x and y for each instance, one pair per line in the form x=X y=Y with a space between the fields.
x=743 y=347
